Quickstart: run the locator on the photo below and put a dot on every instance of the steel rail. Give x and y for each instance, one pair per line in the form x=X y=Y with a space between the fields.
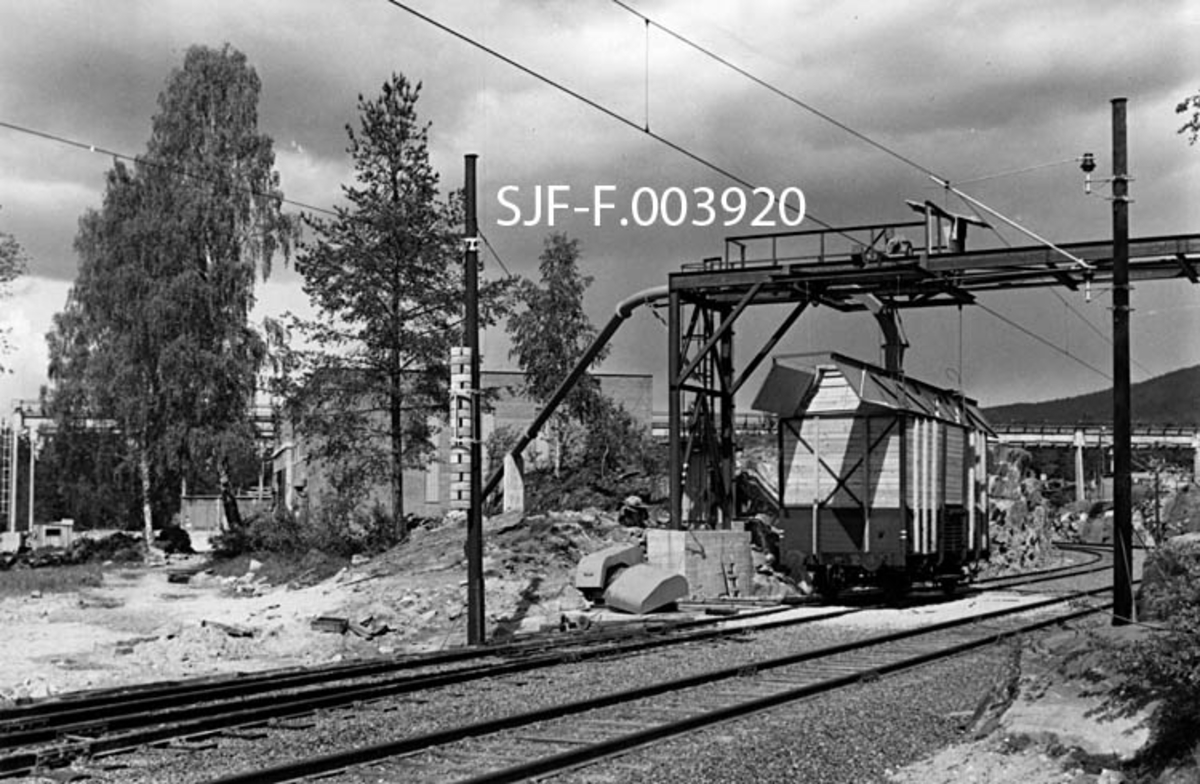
x=110 y=734
x=111 y=720
x=330 y=763
x=146 y=697
x=1053 y=573
x=624 y=742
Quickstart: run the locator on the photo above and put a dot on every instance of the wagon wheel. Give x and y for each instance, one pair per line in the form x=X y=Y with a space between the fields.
x=895 y=584
x=827 y=585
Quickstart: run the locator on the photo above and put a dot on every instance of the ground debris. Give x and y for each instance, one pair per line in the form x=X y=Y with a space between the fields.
x=230 y=629
x=330 y=623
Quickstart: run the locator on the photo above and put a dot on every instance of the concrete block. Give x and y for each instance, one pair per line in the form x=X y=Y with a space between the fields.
x=514 y=484
x=643 y=588
x=595 y=569
x=715 y=563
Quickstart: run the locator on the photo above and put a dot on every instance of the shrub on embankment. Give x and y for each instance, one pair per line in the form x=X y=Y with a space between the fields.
x=1160 y=663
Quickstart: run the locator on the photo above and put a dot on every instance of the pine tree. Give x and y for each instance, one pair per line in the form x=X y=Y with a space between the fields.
x=386 y=277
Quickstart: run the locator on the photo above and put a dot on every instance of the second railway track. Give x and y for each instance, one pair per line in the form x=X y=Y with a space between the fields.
x=54 y=733
x=566 y=735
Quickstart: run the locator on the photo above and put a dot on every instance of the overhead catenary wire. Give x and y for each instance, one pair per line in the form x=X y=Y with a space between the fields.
x=1067 y=304
x=1022 y=170
x=974 y=204
x=594 y=104
x=942 y=181
x=697 y=158
x=147 y=161
x=488 y=244
x=1043 y=341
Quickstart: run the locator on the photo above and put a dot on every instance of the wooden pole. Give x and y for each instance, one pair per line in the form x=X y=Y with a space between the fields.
x=476 y=631
x=1123 y=609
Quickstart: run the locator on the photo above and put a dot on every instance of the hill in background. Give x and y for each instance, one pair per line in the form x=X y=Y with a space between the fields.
x=1170 y=399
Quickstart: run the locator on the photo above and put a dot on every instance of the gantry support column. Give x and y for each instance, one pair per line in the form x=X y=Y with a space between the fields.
x=674 y=409
x=724 y=379
x=894 y=343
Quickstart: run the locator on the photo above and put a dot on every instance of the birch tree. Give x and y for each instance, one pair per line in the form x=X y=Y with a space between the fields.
x=155 y=336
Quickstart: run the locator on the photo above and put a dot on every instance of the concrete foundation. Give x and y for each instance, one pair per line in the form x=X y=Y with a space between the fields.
x=715 y=563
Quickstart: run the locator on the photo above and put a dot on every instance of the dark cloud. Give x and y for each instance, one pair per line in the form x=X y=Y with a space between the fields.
x=964 y=89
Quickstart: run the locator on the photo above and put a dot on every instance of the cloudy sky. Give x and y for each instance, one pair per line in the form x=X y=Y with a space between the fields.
x=967 y=90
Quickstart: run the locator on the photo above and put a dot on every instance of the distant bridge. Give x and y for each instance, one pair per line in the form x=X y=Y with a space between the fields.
x=1142 y=437
x=1018 y=434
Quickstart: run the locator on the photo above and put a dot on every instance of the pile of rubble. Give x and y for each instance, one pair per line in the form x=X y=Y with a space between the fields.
x=419 y=591
x=119 y=547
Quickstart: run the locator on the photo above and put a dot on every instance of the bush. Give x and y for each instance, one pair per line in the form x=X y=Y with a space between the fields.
x=174 y=539
x=334 y=526
x=277 y=531
x=341 y=527
x=1161 y=669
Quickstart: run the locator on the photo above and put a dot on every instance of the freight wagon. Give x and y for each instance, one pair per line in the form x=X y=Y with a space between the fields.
x=882 y=478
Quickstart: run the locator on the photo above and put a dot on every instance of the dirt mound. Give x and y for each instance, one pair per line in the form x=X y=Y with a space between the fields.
x=419 y=589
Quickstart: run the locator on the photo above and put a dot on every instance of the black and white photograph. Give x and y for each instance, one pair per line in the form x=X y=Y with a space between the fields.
x=601 y=391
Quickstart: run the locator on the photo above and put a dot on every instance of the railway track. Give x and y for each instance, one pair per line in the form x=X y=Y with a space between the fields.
x=1100 y=560
x=53 y=733
x=571 y=734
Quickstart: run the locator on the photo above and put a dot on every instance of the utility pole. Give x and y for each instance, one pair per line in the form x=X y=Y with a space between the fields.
x=1122 y=454
x=476 y=631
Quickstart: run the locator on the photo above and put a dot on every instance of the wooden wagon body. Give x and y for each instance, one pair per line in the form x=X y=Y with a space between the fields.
x=882 y=478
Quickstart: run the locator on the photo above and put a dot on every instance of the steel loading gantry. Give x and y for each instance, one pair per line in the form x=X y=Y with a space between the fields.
x=873 y=268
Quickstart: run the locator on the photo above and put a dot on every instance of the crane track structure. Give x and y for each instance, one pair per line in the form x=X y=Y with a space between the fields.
x=50 y=733
x=870 y=268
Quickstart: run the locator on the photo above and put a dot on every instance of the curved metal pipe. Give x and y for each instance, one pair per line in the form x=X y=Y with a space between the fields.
x=624 y=309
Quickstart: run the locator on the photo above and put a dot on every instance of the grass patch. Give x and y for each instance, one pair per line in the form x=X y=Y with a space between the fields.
x=52 y=579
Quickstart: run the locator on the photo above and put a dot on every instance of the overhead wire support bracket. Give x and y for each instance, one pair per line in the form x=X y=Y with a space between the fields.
x=1026 y=231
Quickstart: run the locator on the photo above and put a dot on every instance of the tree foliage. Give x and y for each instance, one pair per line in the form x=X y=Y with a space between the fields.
x=12 y=265
x=1192 y=126
x=551 y=333
x=155 y=340
x=1161 y=667
x=386 y=278
x=83 y=474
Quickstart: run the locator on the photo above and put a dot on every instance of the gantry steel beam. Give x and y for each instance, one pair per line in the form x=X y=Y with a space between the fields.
x=858 y=268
